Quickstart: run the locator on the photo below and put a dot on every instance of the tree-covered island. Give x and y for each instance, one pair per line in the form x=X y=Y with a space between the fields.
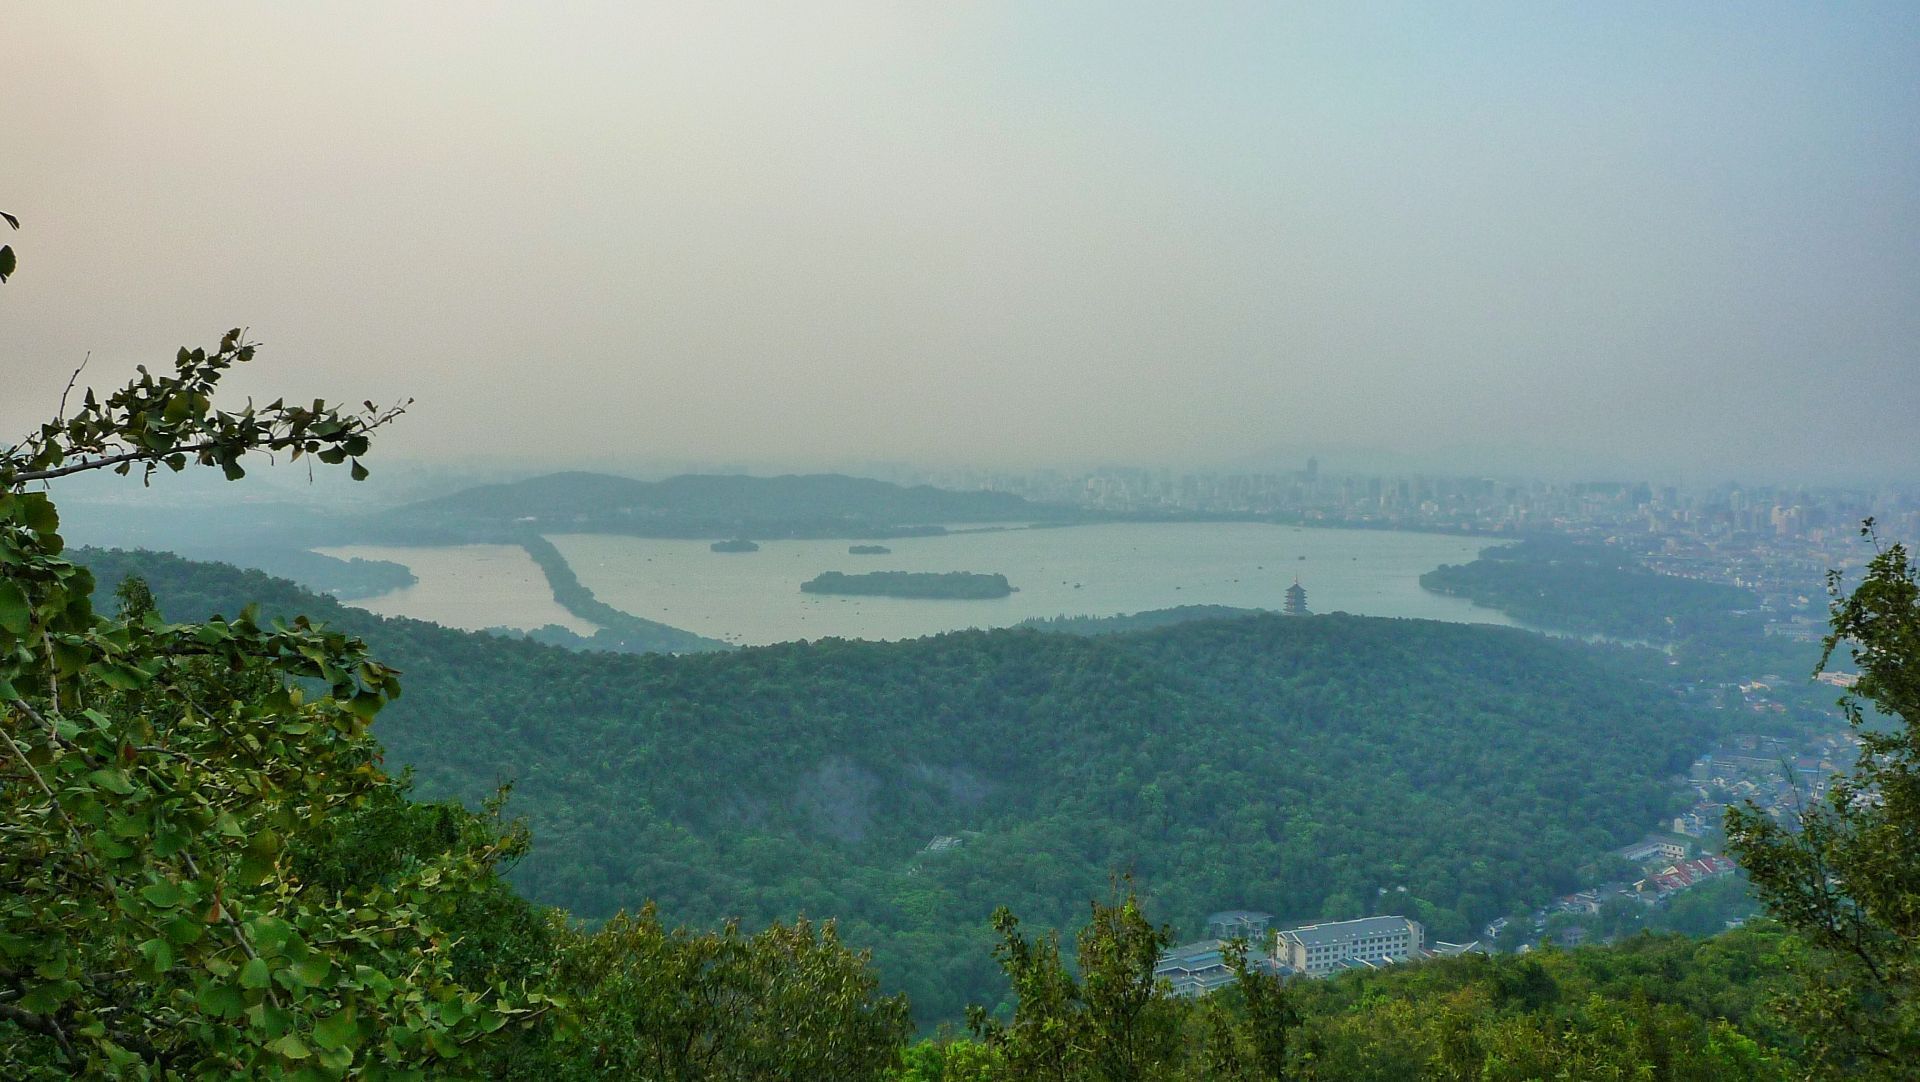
x=963 y=585
x=738 y=544
x=868 y=550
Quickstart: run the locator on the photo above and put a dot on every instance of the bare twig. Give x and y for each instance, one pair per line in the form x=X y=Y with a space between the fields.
x=71 y=380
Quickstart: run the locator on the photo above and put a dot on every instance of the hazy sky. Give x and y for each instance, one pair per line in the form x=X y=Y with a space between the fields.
x=1675 y=235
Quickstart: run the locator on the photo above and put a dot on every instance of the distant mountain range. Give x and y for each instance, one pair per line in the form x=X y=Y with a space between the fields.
x=699 y=505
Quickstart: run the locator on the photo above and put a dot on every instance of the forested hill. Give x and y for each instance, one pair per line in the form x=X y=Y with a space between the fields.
x=1588 y=589
x=700 y=505
x=1296 y=765
x=1137 y=621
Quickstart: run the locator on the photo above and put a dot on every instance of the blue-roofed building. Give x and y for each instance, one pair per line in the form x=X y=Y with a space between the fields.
x=1194 y=969
x=1240 y=924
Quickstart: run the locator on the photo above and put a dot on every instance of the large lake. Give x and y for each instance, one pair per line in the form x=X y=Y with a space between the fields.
x=470 y=586
x=754 y=598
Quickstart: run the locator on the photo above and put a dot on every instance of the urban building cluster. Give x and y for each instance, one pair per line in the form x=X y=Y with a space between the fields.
x=1666 y=866
x=1470 y=504
x=1776 y=540
x=1776 y=774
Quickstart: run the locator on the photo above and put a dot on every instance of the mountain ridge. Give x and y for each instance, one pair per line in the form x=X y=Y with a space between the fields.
x=690 y=505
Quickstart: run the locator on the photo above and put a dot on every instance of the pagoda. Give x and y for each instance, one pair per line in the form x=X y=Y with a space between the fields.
x=1296 y=599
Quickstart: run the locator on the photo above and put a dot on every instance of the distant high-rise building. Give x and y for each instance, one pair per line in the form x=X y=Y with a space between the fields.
x=1296 y=600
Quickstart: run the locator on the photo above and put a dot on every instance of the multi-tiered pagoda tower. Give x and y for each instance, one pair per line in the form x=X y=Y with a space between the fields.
x=1296 y=599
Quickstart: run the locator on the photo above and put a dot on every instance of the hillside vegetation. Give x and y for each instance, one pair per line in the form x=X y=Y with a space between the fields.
x=1587 y=589
x=698 y=505
x=1294 y=765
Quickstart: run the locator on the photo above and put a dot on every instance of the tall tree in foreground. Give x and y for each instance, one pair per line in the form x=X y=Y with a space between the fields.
x=1113 y=1022
x=160 y=783
x=789 y=1002
x=1846 y=878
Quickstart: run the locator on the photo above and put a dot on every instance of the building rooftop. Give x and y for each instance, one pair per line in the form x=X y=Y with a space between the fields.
x=1189 y=955
x=1337 y=931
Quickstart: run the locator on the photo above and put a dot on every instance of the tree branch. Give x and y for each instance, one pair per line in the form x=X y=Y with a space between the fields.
x=54 y=801
x=28 y=476
x=37 y=1023
x=71 y=380
x=154 y=455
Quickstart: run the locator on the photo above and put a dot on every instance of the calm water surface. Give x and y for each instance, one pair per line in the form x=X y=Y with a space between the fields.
x=467 y=586
x=755 y=597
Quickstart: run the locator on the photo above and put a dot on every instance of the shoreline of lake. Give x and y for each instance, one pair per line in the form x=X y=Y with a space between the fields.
x=1097 y=569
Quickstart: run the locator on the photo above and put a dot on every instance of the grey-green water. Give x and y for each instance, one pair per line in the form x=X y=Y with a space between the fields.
x=755 y=598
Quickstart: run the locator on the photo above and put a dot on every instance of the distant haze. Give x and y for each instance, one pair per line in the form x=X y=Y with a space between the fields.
x=1641 y=237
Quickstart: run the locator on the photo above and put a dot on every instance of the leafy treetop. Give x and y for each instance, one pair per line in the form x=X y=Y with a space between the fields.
x=170 y=421
x=1846 y=877
x=153 y=922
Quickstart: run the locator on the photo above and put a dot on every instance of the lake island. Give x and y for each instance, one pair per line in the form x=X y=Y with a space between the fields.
x=960 y=585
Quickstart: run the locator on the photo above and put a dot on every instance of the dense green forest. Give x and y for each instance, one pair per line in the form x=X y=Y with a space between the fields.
x=349 y=580
x=813 y=505
x=954 y=585
x=1711 y=632
x=1136 y=621
x=1586 y=589
x=1294 y=765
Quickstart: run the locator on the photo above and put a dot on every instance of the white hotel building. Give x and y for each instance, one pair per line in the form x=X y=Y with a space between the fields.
x=1319 y=949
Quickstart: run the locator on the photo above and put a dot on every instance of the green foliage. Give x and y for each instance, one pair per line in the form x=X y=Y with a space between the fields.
x=789 y=1002
x=1111 y=1023
x=1846 y=877
x=1655 y=1007
x=960 y=585
x=1711 y=632
x=157 y=781
x=1586 y=589
x=1268 y=762
x=348 y=579
x=1661 y=1007
x=947 y=1058
x=169 y=421
x=1138 y=621
x=1251 y=1027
